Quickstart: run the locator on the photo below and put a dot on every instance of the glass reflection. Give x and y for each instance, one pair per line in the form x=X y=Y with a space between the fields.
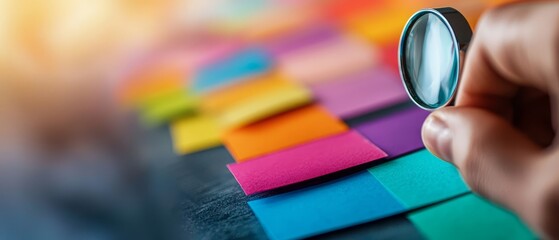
x=431 y=62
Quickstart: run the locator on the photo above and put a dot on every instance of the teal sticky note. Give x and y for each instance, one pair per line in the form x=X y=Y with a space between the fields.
x=240 y=65
x=469 y=217
x=419 y=179
x=330 y=206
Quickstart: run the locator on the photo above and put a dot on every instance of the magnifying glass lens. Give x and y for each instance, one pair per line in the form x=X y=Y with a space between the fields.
x=431 y=61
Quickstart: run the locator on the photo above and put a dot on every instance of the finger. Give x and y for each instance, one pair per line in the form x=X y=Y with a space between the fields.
x=546 y=216
x=514 y=46
x=493 y=157
x=533 y=116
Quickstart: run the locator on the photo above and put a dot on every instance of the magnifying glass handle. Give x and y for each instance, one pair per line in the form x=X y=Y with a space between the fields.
x=459 y=25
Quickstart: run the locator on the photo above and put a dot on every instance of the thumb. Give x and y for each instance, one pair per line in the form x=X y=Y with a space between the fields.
x=494 y=158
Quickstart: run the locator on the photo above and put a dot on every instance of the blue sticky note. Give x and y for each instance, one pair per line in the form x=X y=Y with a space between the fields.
x=241 y=65
x=330 y=206
x=420 y=178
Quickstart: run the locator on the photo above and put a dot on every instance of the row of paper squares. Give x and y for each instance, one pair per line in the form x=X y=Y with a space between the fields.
x=295 y=52
x=373 y=15
x=317 y=145
x=295 y=48
x=379 y=21
x=404 y=184
x=471 y=218
x=296 y=139
x=249 y=62
x=263 y=19
x=311 y=78
x=344 y=98
x=255 y=69
x=253 y=101
x=373 y=154
x=282 y=94
x=410 y=182
x=316 y=52
x=309 y=159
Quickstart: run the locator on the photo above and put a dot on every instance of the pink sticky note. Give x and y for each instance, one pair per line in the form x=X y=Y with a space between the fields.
x=212 y=52
x=305 y=162
x=329 y=59
x=359 y=93
x=301 y=39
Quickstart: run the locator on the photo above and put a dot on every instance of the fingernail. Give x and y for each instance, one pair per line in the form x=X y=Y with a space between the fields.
x=437 y=137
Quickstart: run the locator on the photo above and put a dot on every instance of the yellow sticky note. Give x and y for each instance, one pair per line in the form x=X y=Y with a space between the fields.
x=194 y=133
x=255 y=100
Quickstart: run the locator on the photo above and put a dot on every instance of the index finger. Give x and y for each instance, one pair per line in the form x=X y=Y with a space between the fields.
x=515 y=46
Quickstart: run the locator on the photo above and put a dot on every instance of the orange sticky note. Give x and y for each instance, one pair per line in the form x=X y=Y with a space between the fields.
x=271 y=23
x=381 y=27
x=341 y=10
x=282 y=131
x=150 y=83
x=254 y=100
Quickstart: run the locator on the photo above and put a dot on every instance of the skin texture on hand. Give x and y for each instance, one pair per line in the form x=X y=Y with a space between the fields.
x=501 y=131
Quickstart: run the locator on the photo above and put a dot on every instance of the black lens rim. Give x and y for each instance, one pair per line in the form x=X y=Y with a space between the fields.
x=461 y=33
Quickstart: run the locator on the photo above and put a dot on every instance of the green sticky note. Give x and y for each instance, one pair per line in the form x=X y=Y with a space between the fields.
x=419 y=179
x=469 y=217
x=166 y=107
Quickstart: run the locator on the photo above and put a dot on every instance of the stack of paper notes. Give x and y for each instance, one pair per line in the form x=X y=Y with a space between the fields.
x=306 y=97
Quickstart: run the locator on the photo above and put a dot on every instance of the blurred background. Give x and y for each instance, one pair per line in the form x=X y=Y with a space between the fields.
x=100 y=101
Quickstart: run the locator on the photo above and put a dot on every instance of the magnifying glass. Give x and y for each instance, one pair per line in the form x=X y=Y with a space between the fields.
x=431 y=53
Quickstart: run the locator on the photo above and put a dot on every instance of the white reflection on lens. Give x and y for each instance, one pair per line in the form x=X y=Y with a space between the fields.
x=430 y=60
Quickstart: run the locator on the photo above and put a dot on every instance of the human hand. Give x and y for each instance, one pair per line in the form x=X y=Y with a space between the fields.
x=501 y=132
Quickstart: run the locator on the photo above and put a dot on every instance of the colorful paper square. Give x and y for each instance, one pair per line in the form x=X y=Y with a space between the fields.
x=166 y=107
x=242 y=65
x=191 y=134
x=282 y=131
x=301 y=38
x=305 y=162
x=469 y=217
x=327 y=207
x=359 y=93
x=398 y=133
x=328 y=60
x=254 y=100
x=420 y=179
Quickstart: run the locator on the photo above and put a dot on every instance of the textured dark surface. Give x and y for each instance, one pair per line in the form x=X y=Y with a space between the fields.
x=397 y=227
x=211 y=203
x=95 y=189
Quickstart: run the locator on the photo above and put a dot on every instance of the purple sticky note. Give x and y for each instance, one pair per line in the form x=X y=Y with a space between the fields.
x=398 y=133
x=359 y=93
x=307 y=36
x=305 y=162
